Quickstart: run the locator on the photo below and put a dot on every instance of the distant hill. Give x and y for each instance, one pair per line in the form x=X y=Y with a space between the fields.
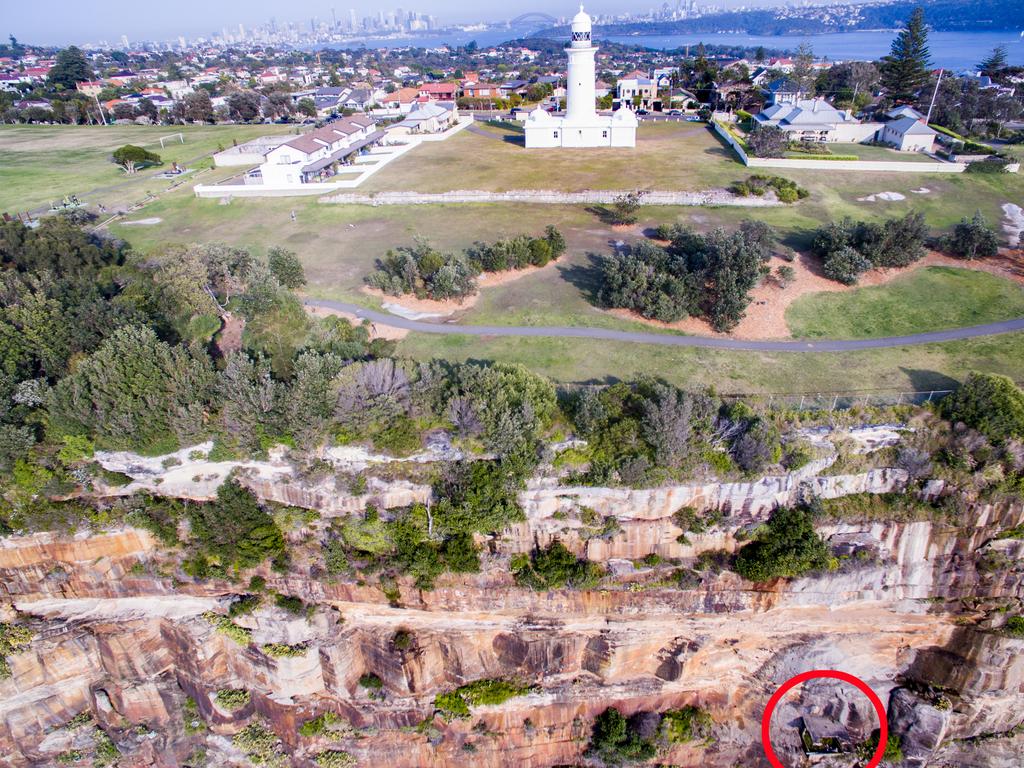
x=941 y=15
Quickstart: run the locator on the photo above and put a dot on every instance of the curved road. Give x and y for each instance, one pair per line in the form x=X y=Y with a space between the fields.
x=671 y=340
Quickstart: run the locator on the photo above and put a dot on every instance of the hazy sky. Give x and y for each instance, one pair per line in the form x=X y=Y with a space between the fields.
x=64 y=21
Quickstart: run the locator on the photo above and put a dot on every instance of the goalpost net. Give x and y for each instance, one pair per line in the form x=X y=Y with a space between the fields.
x=180 y=137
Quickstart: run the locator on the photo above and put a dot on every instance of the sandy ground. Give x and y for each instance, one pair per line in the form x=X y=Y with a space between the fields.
x=766 y=316
x=377 y=330
x=414 y=308
x=229 y=338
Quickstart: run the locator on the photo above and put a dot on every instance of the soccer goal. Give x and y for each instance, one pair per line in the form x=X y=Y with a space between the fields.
x=171 y=136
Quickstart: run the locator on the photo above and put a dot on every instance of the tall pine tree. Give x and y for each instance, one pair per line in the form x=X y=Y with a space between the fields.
x=994 y=62
x=905 y=71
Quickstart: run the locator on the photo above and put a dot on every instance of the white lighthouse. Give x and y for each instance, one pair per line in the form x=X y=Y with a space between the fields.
x=581 y=126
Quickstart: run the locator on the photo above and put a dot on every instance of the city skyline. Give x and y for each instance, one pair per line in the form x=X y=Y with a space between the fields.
x=116 y=21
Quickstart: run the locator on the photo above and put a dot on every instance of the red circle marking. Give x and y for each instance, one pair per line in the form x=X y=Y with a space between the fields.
x=803 y=677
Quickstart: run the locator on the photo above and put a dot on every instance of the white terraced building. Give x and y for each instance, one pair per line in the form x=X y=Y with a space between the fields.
x=581 y=126
x=315 y=156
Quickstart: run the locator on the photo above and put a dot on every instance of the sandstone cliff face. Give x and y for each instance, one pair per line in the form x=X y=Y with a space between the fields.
x=915 y=617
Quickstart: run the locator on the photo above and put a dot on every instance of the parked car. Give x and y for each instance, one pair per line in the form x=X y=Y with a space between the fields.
x=675 y=112
x=693 y=119
x=642 y=112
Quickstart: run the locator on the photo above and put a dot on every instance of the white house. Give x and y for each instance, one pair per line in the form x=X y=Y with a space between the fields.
x=908 y=134
x=815 y=120
x=430 y=117
x=314 y=156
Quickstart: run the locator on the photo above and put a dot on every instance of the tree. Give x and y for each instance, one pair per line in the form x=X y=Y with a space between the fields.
x=244 y=106
x=973 y=239
x=279 y=104
x=906 y=70
x=767 y=141
x=134 y=392
x=197 y=107
x=306 y=106
x=69 y=69
x=625 y=208
x=131 y=158
x=994 y=62
x=803 y=73
x=286 y=267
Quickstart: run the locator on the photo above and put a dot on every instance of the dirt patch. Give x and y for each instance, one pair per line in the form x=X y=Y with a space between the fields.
x=889 y=197
x=410 y=307
x=229 y=338
x=766 y=316
x=377 y=330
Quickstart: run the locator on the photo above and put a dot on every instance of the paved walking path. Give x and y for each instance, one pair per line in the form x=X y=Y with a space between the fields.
x=673 y=340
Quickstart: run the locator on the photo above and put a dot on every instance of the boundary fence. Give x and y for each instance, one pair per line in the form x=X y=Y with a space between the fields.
x=841 y=401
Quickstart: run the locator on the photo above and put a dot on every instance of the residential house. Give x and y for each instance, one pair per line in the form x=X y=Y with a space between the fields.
x=602 y=89
x=903 y=111
x=480 y=91
x=315 y=156
x=11 y=83
x=123 y=77
x=516 y=87
x=760 y=76
x=783 y=91
x=401 y=101
x=90 y=88
x=637 y=90
x=432 y=117
x=440 y=91
x=817 y=121
x=359 y=100
x=908 y=134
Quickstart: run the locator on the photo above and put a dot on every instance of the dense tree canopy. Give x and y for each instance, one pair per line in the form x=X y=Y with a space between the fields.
x=69 y=69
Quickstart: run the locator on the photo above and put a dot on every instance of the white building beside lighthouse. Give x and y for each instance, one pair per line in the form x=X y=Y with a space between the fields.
x=581 y=126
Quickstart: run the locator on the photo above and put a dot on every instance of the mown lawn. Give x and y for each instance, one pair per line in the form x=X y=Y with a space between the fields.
x=927 y=299
x=40 y=164
x=912 y=368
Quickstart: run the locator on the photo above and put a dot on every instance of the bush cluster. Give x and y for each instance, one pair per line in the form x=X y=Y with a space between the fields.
x=554 y=567
x=707 y=276
x=848 y=248
x=786 y=191
x=429 y=273
x=787 y=546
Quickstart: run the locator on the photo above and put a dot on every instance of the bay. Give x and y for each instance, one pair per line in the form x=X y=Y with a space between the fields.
x=952 y=50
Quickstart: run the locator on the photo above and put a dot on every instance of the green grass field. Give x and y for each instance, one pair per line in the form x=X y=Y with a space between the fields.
x=917 y=368
x=339 y=244
x=927 y=299
x=40 y=164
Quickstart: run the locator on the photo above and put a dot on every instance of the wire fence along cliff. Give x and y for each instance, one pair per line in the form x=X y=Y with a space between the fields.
x=837 y=401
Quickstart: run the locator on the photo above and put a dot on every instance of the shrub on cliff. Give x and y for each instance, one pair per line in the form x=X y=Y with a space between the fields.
x=335 y=758
x=555 y=567
x=235 y=528
x=455 y=705
x=787 y=546
x=14 y=638
x=990 y=403
x=616 y=740
x=847 y=247
x=679 y=726
x=232 y=699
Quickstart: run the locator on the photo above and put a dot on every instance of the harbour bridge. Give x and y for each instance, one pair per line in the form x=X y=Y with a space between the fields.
x=533 y=19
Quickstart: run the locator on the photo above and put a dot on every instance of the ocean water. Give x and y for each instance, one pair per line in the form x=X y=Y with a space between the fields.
x=953 y=50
